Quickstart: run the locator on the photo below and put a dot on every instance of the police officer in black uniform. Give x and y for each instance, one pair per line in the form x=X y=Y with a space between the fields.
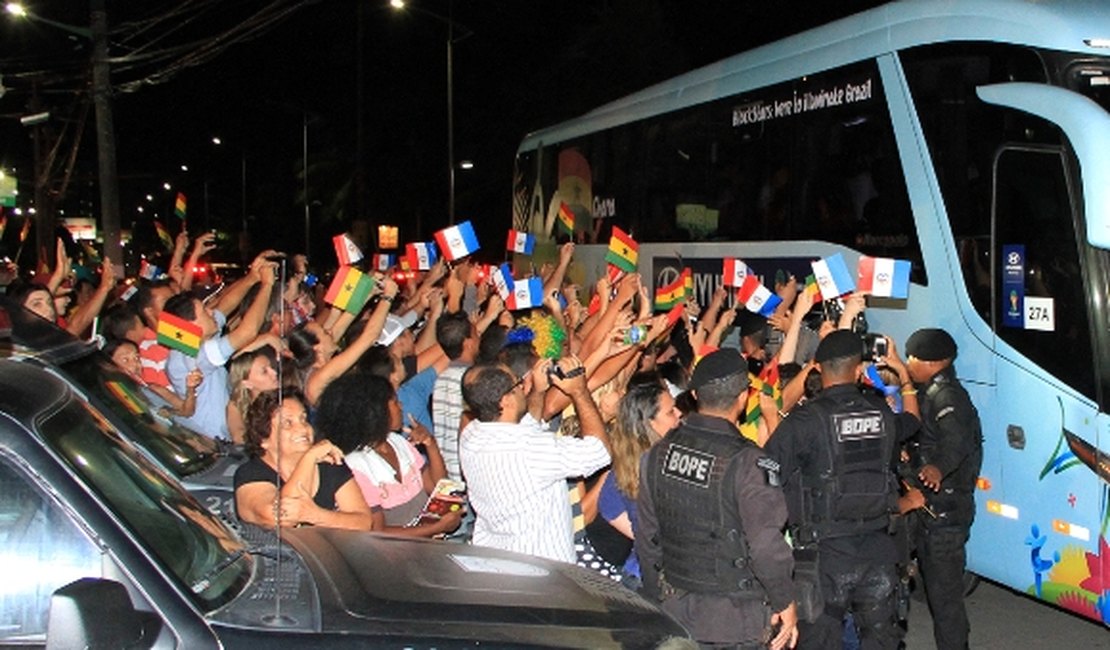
x=951 y=453
x=712 y=516
x=836 y=453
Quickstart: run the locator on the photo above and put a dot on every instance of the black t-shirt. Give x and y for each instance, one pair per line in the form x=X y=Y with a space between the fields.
x=332 y=477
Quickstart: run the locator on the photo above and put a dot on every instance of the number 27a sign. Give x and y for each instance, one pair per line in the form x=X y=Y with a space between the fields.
x=1040 y=314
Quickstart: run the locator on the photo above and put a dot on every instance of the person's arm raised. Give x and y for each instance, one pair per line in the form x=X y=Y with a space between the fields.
x=247 y=329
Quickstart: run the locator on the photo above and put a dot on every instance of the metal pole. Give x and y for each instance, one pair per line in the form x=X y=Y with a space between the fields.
x=450 y=117
x=105 y=134
x=304 y=168
x=244 y=191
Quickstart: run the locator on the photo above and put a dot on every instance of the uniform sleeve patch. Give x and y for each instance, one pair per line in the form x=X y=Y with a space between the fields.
x=688 y=465
x=771 y=470
x=945 y=411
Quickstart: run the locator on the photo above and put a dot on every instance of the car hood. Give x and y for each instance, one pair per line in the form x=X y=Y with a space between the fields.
x=401 y=588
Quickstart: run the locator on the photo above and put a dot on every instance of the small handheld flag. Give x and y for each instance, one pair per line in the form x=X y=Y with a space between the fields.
x=885 y=277
x=502 y=277
x=520 y=242
x=457 y=241
x=565 y=219
x=756 y=297
x=624 y=252
x=526 y=294
x=345 y=250
x=179 y=334
x=26 y=229
x=735 y=271
x=179 y=206
x=148 y=271
x=382 y=261
x=671 y=295
x=832 y=277
x=349 y=290
x=164 y=235
x=421 y=255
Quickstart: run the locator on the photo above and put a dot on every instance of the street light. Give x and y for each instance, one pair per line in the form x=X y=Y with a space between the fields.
x=451 y=40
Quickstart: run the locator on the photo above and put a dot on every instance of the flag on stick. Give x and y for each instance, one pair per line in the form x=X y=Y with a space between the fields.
x=421 y=255
x=756 y=297
x=26 y=229
x=164 y=235
x=345 y=250
x=349 y=290
x=457 y=241
x=671 y=295
x=520 y=242
x=179 y=206
x=811 y=287
x=502 y=277
x=833 y=277
x=382 y=262
x=565 y=219
x=735 y=270
x=884 y=277
x=526 y=294
x=623 y=252
x=179 y=334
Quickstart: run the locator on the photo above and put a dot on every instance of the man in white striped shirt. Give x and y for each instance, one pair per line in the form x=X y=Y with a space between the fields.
x=516 y=473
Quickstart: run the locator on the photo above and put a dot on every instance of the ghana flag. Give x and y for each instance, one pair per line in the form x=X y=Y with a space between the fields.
x=624 y=252
x=179 y=206
x=668 y=296
x=164 y=235
x=350 y=289
x=125 y=396
x=179 y=334
x=566 y=219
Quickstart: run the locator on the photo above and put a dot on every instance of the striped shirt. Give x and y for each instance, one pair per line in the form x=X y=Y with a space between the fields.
x=516 y=478
x=447 y=409
x=153 y=356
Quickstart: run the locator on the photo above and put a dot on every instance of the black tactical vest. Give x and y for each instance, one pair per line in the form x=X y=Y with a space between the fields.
x=691 y=474
x=849 y=489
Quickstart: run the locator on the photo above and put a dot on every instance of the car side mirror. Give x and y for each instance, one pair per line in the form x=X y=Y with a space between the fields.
x=95 y=613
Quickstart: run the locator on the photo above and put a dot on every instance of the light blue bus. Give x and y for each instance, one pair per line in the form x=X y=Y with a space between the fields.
x=968 y=136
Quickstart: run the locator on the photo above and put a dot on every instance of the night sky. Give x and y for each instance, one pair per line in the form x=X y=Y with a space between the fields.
x=524 y=65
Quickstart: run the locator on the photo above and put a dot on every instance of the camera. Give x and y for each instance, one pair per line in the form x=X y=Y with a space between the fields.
x=876 y=346
x=556 y=371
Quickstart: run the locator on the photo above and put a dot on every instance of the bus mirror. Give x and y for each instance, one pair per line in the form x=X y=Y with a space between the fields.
x=1087 y=126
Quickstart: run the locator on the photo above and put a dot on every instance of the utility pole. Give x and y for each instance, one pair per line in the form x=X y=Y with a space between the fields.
x=105 y=134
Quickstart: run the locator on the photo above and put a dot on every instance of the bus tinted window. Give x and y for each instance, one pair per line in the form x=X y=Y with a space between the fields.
x=813 y=158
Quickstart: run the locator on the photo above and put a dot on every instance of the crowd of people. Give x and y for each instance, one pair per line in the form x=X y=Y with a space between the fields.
x=766 y=494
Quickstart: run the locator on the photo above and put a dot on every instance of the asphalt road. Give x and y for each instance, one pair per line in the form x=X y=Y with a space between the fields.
x=1002 y=619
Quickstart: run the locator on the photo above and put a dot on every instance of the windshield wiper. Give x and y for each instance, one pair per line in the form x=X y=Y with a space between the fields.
x=206 y=580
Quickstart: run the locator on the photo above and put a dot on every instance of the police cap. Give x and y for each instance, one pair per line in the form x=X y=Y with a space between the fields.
x=931 y=344
x=718 y=365
x=839 y=344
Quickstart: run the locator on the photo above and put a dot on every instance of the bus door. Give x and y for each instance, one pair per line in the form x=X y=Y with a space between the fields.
x=1042 y=514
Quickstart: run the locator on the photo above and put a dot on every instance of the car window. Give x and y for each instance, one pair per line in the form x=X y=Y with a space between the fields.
x=41 y=549
x=192 y=544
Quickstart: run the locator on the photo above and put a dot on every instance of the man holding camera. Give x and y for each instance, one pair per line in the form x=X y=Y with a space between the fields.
x=836 y=452
x=516 y=473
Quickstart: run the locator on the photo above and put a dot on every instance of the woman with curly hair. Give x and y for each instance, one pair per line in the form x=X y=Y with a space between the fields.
x=291 y=479
x=647 y=413
x=361 y=414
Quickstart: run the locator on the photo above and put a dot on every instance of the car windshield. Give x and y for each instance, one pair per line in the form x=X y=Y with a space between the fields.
x=181 y=450
x=209 y=560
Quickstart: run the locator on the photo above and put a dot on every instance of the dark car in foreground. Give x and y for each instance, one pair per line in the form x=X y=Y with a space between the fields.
x=103 y=547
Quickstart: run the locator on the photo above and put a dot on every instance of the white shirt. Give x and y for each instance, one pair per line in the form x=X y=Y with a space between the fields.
x=447 y=410
x=516 y=479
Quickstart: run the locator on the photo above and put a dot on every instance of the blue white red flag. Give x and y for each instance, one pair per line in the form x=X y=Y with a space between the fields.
x=457 y=241
x=345 y=250
x=421 y=255
x=520 y=242
x=526 y=294
x=734 y=272
x=832 y=277
x=884 y=276
x=756 y=297
x=382 y=262
x=502 y=277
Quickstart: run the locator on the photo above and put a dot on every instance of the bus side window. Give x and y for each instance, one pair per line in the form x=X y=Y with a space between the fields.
x=1032 y=208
